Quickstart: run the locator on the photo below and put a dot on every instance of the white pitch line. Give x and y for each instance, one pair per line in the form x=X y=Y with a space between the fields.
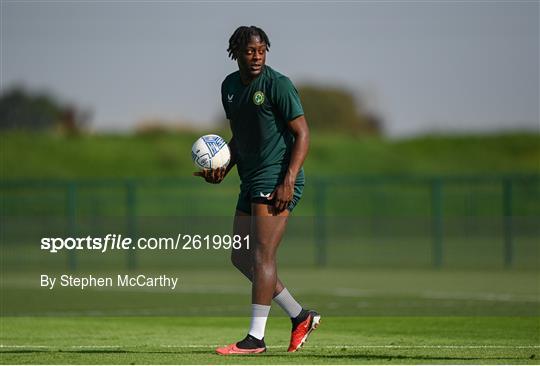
x=86 y=346
x=373 y=346
x=284 y=345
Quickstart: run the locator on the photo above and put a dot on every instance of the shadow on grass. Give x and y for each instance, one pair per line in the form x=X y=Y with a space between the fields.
x=267 y=356
x=413 y=357
x=362 y=356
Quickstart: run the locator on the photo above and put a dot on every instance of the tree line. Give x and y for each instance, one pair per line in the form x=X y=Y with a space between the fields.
x=327 y=109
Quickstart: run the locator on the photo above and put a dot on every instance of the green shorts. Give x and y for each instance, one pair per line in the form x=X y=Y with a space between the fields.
x=258 y=192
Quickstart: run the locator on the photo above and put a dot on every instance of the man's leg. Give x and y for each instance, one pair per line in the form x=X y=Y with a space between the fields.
x=266 y=232
x=242 y=258
x=258 y=264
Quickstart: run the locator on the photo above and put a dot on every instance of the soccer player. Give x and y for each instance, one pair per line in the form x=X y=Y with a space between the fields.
x=269 y=145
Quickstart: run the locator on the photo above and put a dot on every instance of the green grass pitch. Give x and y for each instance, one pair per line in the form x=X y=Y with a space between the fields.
x=379 y=271
x=339 y=340
x=393 y=316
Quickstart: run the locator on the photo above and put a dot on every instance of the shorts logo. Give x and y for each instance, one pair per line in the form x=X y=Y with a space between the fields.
x=258 y=98
x=265 y=195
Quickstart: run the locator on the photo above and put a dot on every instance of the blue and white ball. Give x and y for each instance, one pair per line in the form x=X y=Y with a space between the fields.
x=210 y=152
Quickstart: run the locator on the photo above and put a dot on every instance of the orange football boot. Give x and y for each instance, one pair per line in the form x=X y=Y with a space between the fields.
x=233 y=349
x=301 y=331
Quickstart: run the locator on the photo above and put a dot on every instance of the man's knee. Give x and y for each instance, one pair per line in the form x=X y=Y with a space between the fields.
x=263 y=256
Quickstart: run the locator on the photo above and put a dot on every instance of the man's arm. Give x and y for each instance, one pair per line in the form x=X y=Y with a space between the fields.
x=284 y=192
x=300 y=131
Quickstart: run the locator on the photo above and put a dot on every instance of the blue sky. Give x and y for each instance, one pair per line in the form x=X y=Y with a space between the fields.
x=423 y=66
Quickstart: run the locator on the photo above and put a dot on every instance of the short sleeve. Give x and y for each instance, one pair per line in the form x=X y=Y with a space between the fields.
x=224 y=100
x=286 y=99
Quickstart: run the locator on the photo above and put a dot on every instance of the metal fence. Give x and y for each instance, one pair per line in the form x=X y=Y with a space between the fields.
x=452 y=217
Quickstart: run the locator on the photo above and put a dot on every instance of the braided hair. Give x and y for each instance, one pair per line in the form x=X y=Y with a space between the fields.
x=241 y=37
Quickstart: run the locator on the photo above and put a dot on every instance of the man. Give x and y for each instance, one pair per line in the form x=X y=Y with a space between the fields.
x=269 y=145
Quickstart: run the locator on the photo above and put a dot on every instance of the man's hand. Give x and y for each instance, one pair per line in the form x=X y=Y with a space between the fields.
x=214 y=176
x=282 y=196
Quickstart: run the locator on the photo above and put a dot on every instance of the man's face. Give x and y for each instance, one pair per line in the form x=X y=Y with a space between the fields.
x=252 y=59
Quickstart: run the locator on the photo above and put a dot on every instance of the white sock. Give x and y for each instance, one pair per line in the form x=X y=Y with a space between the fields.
x=259 y=314
x=288 y=303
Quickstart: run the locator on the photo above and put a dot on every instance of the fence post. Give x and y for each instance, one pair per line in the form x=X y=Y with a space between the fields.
x=131 y=221
x=71 y=211
x=508 y=222
x=437 y=222
x=320 y=222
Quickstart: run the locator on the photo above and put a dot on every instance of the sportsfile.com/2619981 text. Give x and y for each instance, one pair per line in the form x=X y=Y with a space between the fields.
x=121 y=242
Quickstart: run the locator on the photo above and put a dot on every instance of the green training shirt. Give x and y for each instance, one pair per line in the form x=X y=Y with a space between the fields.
x=258 y=115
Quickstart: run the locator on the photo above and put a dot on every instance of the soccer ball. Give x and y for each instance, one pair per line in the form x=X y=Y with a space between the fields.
x=210 y=152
